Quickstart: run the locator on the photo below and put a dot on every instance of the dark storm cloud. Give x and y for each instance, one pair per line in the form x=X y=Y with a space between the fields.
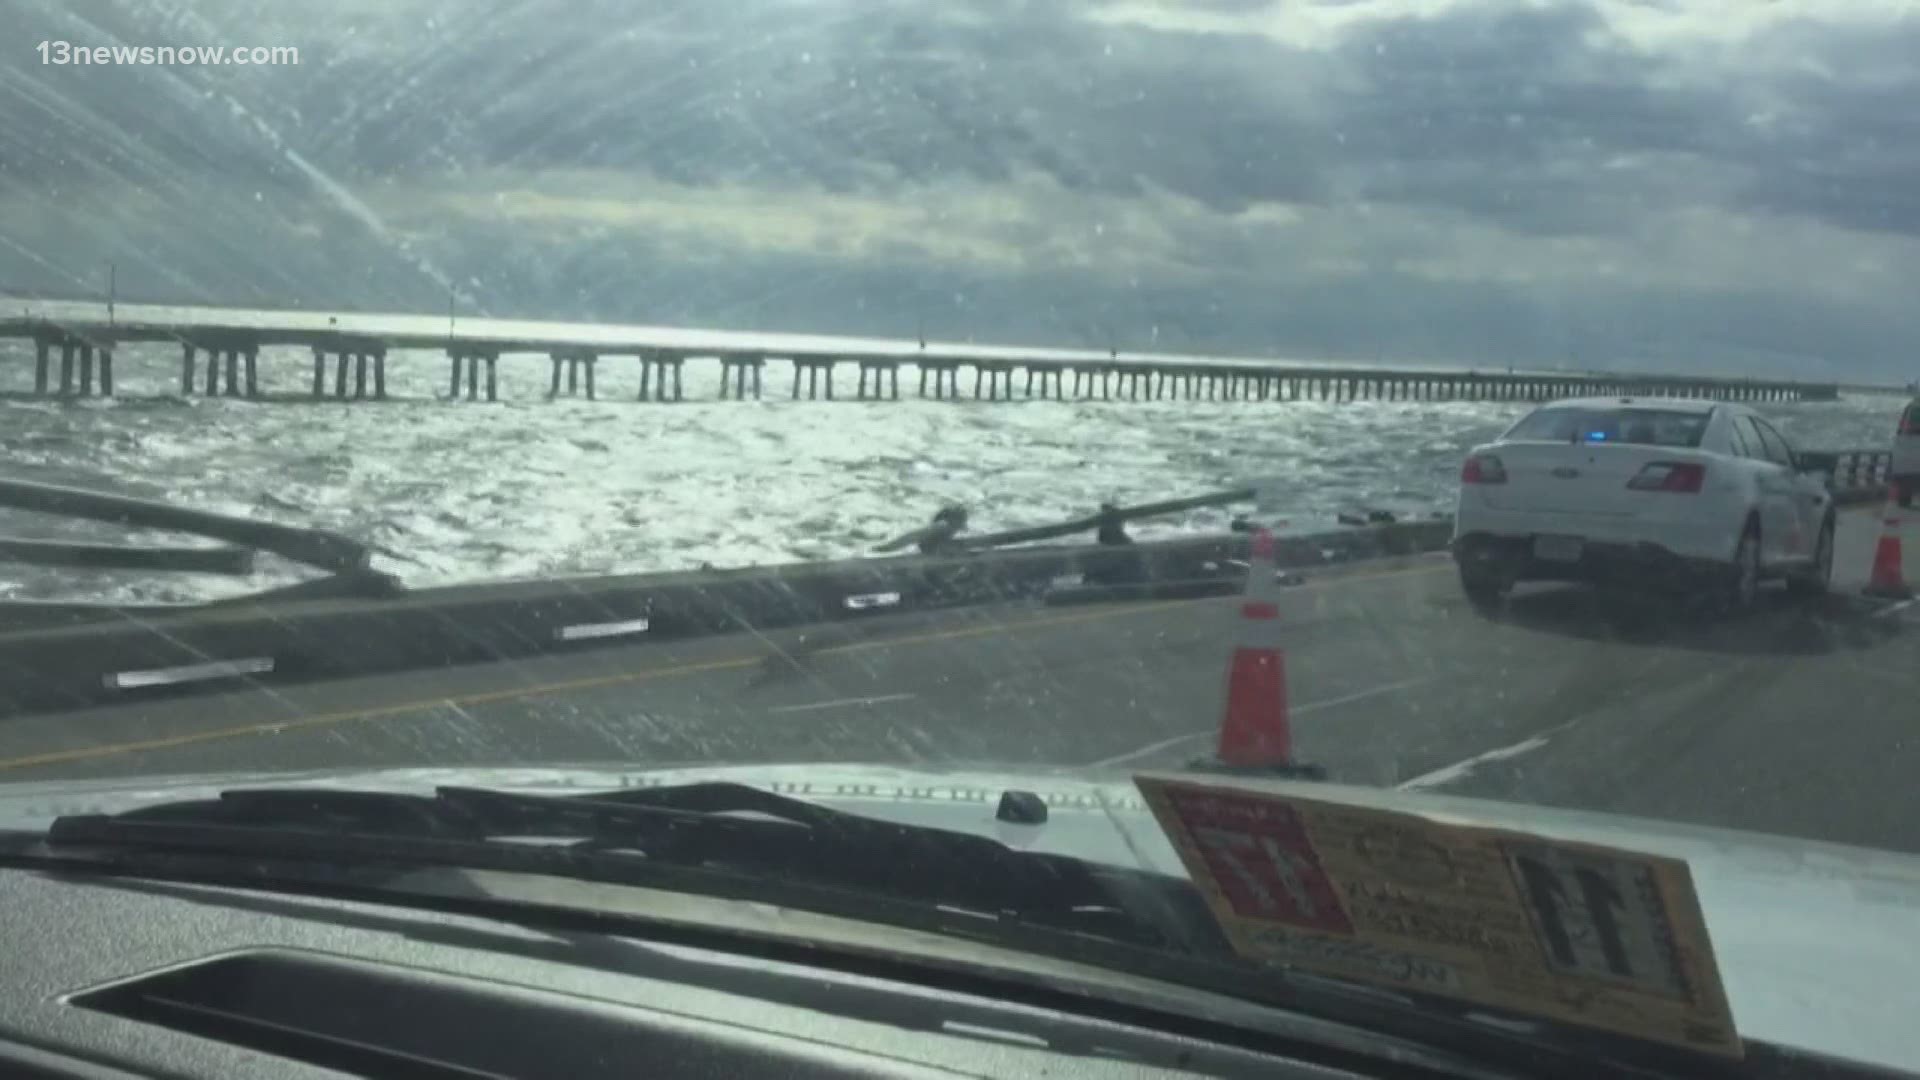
x=1544 y=120
x=1536 y=117
x=1836 y=133
x=1506 y=89
x=816 y=94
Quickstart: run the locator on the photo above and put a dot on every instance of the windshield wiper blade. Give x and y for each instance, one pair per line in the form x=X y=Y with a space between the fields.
x=717 y=838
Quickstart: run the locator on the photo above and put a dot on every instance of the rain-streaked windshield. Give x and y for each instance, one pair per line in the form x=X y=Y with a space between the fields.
x=972 y=387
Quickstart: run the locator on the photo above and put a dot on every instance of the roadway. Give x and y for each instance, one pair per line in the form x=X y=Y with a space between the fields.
x=1798 y=719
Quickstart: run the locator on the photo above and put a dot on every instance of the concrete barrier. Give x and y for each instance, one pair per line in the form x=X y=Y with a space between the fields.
x=84 y=664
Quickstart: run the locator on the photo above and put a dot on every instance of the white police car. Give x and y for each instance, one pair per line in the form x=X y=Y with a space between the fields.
x=1657 y=491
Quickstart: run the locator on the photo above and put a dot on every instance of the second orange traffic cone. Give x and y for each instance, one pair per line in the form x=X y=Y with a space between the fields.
x=1254 y=730
x=1889 y=578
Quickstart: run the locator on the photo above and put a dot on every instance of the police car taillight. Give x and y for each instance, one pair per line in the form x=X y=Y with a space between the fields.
x=1680 y=477
x=1483 y=469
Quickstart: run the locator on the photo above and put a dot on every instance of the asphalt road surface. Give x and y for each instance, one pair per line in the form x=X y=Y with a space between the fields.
x=1797 y=719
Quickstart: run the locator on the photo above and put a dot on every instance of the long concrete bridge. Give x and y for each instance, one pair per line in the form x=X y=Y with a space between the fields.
x=75 y=346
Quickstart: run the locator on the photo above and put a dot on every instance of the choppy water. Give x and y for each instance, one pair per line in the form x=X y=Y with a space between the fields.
x=527 y=487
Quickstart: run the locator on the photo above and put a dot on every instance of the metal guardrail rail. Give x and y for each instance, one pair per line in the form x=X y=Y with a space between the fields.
x=313 y=547
x=1852 y=474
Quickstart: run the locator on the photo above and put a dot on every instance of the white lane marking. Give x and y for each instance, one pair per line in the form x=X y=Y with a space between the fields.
x=1460 y=769
x=1297 y=710
x=840 y=703
x=1895 y=608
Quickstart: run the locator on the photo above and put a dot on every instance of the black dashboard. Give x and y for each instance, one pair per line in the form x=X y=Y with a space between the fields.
x=116 y=977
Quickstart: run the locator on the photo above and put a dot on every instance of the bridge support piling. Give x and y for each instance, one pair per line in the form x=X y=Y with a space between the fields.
x=880 y=369
x=86 y=369
x=41 y=361
x=66 y=368
x=106 y=371
x=380 y=374
x=733 y=379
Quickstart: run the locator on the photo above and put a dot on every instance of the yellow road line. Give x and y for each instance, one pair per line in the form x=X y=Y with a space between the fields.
x=274 y=727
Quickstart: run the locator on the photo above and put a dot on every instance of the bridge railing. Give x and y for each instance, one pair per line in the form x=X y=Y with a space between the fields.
x=1854 y=476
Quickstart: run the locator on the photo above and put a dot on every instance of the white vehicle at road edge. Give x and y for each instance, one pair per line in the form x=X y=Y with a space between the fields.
x=1906 y=454
x=1668 y=492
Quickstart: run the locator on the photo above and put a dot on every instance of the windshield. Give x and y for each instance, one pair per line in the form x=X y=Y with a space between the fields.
x=423 y=384
x=1641 y=427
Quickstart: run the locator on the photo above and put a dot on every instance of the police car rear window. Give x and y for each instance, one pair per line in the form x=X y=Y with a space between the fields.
x=1636 y=427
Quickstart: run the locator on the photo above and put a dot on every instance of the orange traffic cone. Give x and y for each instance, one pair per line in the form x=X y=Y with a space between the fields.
x=1889 y=579
x=1254 y=732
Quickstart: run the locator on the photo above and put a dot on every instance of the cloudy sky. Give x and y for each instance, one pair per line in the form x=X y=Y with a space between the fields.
x=1703 y=184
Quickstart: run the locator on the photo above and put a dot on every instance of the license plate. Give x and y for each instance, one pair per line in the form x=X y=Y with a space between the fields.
x=1557 y=548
